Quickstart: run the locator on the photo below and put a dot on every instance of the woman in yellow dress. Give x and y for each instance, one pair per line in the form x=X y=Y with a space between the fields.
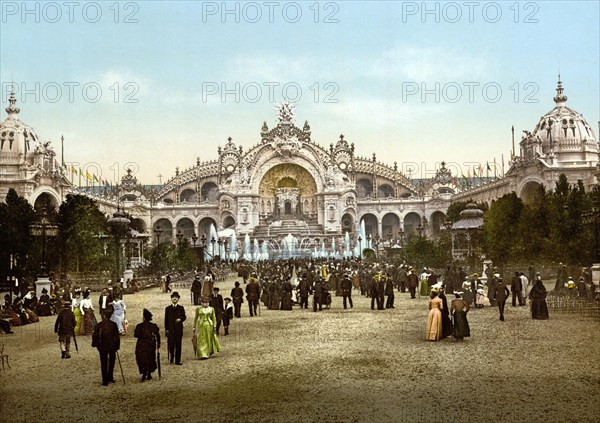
x=75 y=304
x=434 y=319
x=205 y=324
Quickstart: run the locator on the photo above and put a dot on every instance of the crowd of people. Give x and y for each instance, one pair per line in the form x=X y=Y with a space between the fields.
x=278 y=285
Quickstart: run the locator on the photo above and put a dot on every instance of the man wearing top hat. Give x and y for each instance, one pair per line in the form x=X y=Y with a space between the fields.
x=196 y=290
x=216 y=302
x=107 y=340
x=174 y=318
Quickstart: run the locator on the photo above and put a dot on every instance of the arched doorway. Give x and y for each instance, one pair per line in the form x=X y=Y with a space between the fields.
x=186 y=226
x=187 y=196
x=364 y=188
x=530 y=191
x=166 y=231
x=436 y=222
x=390 y=226
x=289 y=189
x=347 y=223
x=370 y=225
x=209 y=192
x=412 y=221
x=46 y=200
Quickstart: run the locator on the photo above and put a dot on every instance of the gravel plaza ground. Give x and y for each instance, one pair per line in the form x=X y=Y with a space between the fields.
x=338 y=365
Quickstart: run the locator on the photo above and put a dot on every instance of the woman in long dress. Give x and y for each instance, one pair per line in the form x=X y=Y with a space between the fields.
x=434 y=319
x=459 y=309
x=118 y=315
x=446 y=322
x=286 y=296
x=537 y=295
x=205 y=324
x=274 y=296
x=76 y=307
x=87 y=310
x=148 y=341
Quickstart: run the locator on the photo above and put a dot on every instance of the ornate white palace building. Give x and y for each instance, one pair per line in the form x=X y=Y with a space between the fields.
x=289 y=184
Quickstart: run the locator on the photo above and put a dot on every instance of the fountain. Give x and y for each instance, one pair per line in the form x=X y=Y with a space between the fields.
x=212 y=234
x=265 y=251
x=347 y=252
x=247 y=255
x=233 y=253
x=255 y=252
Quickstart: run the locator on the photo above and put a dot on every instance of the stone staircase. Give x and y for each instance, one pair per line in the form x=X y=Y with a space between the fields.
x=287 y=226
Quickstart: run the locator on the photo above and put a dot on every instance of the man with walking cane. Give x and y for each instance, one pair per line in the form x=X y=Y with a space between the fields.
x=65 y=328
x=107 y=340
x=174 y=318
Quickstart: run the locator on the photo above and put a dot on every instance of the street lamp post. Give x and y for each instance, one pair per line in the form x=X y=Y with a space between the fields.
x=118 y=224
x=359 y=246
x=225 y=242
x=213 y=241
x=401 y=234
x=179 y=237
x=194 y=239
x=203 y=248
x=157 y=232
x=44 y=229
x=420 y=230
x=220 y=242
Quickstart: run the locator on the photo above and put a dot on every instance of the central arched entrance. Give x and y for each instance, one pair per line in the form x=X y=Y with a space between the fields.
x=288 y=191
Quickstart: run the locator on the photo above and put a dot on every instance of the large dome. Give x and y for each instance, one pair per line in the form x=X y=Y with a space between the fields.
x=563 y=129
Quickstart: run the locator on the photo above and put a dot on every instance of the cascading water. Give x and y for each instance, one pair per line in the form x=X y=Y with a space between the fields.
x=247 y=248
x=347 y=252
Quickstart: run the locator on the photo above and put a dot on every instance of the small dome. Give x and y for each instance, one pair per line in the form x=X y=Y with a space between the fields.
x=470 y=218
x=16 y=137
x=563 y=128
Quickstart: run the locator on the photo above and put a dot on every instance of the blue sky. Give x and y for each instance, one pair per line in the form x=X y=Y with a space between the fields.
x=161 y=68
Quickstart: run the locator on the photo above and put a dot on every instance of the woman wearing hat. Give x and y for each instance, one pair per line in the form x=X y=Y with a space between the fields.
x=537 y=297
x=434 y=319
x=148 y=341
x=459 y=309
x=87 y=311
x=75 y=306
x=205 y=326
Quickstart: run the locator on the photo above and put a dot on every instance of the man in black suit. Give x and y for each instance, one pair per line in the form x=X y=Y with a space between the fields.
x=216 y=302
x=174 y=318
x=106 y=338
x=501 y=294
x=196 y=290
x=347 y=290
x=252 y=294
x=105 y=301
x=318 y=294
x=237 y=294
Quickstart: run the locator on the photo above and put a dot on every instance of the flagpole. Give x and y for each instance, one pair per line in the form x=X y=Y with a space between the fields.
x=495 y=167
x=514 y=153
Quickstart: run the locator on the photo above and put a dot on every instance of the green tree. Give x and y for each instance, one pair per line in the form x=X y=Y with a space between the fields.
x=16 y=215
x=500 y=229
x=83 y=233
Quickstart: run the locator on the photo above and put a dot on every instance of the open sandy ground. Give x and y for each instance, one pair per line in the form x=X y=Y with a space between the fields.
x=334 y=366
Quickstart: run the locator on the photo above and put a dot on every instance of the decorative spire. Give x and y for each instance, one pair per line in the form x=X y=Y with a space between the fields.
x=285 y=112
x=560 y=98
x=12 y=109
